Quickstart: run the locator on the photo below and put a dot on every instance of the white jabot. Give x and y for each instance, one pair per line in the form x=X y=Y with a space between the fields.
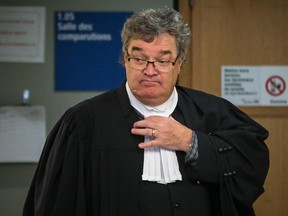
x=160 y=165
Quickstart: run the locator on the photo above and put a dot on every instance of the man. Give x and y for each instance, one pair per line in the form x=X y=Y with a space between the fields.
x=150 y=147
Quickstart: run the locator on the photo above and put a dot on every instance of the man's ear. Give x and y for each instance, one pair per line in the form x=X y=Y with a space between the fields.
x=180 y=63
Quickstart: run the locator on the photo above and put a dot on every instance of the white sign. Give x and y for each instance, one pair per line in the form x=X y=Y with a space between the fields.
x=22 y=133
x=255 y=85
x=22 y=31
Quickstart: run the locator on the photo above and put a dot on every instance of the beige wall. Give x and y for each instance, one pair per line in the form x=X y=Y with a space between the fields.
x=253 y=33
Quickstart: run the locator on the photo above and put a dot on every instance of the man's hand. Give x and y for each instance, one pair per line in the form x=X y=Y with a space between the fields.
x=167 y=132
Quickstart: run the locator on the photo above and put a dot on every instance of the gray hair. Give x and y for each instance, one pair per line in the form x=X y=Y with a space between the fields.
x=150 y=23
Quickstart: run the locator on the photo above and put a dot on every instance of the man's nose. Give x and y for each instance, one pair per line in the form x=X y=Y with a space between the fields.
x=150 y=69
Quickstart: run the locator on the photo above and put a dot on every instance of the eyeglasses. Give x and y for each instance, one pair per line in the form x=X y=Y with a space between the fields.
x=160 y=66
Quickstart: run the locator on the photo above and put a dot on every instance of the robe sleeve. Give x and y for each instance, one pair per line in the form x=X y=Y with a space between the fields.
x=58 y=187
x=233 y=157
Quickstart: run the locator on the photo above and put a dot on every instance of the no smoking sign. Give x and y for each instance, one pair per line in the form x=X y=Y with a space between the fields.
x=275 y=85
x=255 y=85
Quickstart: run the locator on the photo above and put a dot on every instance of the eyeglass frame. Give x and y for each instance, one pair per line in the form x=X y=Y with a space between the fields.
x=153 y=63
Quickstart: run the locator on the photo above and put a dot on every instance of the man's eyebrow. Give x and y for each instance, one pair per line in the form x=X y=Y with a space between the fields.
x=165 y=52
x=162 y=52
x=136 y=49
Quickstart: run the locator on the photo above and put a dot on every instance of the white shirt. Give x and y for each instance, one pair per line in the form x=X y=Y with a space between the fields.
x=160 y=165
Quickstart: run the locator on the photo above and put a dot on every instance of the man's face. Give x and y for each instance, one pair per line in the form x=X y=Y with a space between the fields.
x=150 y=86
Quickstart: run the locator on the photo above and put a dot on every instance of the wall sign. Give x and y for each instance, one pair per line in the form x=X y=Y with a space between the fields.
x=87 y=50
x=255 y=85
x=22 y=133
x=22 y=34
x=275 y=85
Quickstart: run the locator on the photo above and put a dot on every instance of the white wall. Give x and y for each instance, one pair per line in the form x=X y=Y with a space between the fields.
x=39 y=79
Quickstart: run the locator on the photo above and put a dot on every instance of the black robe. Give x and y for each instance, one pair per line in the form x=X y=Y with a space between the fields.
x=91 y=164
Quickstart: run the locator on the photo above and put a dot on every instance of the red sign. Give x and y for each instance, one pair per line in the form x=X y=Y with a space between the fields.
x=275 y=85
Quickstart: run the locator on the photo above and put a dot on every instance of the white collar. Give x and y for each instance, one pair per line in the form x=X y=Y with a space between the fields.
x=159 y=165
x=164 y=109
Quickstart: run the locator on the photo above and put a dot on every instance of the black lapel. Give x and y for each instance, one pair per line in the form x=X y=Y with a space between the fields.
x=193 y=116
x=129 y=112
